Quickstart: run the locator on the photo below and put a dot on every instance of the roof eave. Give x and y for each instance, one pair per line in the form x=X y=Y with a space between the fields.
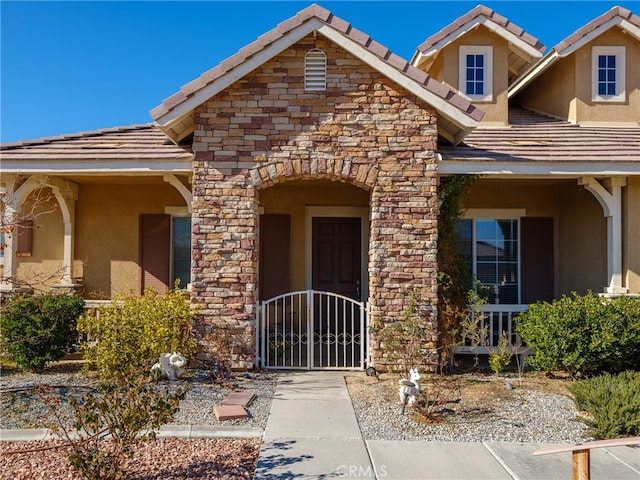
x=464 y=116
x=535 y=71
x=467 y=27
x=561 y=51
x=173 y=115
x=535 y=168
x=624 y=24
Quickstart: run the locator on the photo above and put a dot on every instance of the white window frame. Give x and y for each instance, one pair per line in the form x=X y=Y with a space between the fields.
x=177 y=212
x=315 y=71
x=487 y=52
x=497 y=214
x=619 y=53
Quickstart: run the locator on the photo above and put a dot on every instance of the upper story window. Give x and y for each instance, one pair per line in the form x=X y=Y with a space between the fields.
x=476 y=72
x=315 y=70
x=608 y=74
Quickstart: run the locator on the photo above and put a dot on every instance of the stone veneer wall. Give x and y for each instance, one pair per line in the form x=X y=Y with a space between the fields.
x=265 y=129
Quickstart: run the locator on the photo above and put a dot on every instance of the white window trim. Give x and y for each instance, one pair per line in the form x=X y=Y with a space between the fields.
x=176 y=212
x=487 y=51
x=497 y=214
x=620 y=53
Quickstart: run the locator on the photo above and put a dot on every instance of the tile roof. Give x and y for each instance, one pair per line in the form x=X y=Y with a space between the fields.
x=323 y=15
x=135 y=142
x=535 y=138
x=488 y=13
x=593 y=25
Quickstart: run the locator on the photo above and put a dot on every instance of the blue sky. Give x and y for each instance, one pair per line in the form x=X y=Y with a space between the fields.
x=75 y=66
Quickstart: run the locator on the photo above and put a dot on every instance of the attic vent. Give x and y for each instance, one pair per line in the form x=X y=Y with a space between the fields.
x=315 y=70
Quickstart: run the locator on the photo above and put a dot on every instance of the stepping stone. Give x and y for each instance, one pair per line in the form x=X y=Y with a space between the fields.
x=229 y=412
x=239 y=398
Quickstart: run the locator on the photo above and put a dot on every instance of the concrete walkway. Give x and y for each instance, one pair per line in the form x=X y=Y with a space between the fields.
x=313 y=433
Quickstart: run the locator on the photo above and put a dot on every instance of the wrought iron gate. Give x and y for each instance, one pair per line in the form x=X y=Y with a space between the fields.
x=311 y=330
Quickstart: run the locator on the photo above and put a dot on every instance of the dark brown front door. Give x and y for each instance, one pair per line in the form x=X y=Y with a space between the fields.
x=336 y=255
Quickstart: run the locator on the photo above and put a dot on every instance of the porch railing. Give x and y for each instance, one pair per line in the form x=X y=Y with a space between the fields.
x=498 y=320
x=93 y=306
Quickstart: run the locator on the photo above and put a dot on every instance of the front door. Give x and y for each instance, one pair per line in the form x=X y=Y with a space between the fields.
x=336 y=256
x=335 y=268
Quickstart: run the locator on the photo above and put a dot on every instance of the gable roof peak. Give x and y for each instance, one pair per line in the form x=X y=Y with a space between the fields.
x=174 y=115
x=614 y=16
x=472 y=18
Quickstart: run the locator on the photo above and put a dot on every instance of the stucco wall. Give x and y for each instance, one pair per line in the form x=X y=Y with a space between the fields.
x=583 y=237
x=580 y=235
x=106 y=242
x=264 y=130
x=565 y=90
x=627 y=111
x=44 y=265
x=292 y=198
x=446 y=69
x=553 y=92
x=631 y=234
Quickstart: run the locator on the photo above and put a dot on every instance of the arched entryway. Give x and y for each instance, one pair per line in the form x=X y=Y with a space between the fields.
x=313 y=279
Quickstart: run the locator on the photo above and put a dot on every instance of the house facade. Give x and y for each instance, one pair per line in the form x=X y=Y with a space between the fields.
x=310 y=162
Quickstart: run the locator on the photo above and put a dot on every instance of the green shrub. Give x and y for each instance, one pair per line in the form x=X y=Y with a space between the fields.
x=500 y=358
x=613 y=402
x=40 y=329
x=583 y=335
x=131 y=333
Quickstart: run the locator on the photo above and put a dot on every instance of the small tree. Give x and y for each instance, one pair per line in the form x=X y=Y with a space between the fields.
x=40 y=329
x=455 y=277
x=40 y=202
x=129 y=410
x=500 y=357
x=131 y=333
x=405 y=340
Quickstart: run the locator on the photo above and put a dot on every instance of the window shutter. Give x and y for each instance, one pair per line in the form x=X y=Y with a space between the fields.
x=274 y=255
x=537 y=259
x=25 y=238
x=155 y=250
x=315 y=70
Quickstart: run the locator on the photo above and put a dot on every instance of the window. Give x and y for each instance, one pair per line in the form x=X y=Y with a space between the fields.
x=476 y=72
x=491 y=246
x=181 y=251
x=315 y=70
x=608 y=74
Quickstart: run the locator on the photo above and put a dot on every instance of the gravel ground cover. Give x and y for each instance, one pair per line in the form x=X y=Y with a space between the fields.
x=22 y=408
x=224 y=458
x=163 y=459
x=468 y=408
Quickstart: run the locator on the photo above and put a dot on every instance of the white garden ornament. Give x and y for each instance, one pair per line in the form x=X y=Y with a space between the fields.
x=410 y=391
x=170 y=364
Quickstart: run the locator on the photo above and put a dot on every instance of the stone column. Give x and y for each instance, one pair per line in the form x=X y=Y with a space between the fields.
x=224 y=260
x=403 y=245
